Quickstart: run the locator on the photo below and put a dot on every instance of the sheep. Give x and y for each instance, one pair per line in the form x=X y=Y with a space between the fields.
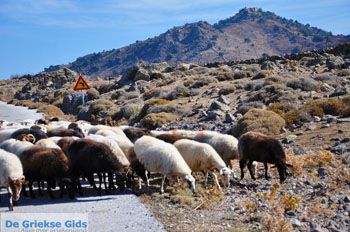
x=49 y=164
x=11 y=175
x=88 y=157
x=34 y=130
x=15 y=146
x=254 y=146
x=134 y=133
x=115 y=130
x=49 y=143
x=225 y=145
x=26 y=137
x=161 y=157
x=113 y=145
x=203 y=157
x=170 y=138
x=5 y=133
x=128 y=148
x=65 y=132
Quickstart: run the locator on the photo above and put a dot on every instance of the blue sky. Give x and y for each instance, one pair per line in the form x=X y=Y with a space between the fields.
x=35 y=34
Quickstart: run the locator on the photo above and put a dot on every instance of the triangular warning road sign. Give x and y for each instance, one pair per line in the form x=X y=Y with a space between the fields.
x=81 y=84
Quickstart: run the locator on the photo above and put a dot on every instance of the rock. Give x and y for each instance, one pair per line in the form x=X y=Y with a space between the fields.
x=291 y=213
x=326 y=88
x=142 y=74
x=229 y=118
x=224 y=100
x=317 y=119
x=325 y=126
x=322 y=172
x=300 y=150
x=334 y=62
x=340 y=91
x=83 y=114
x=216 y=105
x=347 y=199
x=289 y=139
x=317 y=228
x=295 y=222
x=311 y=127
x=345 y=140
x=329 y=118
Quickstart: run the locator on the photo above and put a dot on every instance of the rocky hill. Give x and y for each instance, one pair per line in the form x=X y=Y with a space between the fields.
x=251 y=33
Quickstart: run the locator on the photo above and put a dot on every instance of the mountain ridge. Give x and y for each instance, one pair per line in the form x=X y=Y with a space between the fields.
x=251 y=33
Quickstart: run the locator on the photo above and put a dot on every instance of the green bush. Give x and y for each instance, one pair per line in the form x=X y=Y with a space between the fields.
x=92 y=94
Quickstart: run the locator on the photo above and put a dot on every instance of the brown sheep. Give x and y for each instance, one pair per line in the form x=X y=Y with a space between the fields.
x=41 y=163
x=254 y=146
x=134 y=133
x=64 y=132
x=88 y=157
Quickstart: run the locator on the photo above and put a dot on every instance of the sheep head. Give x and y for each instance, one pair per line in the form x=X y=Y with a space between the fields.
x=226 y=174
x=16 y=186
x=191 y=182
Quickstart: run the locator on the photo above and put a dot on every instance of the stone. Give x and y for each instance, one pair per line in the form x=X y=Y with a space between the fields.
x=317 y=119
x=142 y=74
x=224 y=100
x=340 y=91
x=322 y=172
x=229 y=118
x=326 y=88
x=216 y=105
x=311 y=127
x=329 y=118
x=300 y=150
x=347 y=199
x=213 y=114
x=295 y=222
x=289 y=139
x=325 y=126
x=334 y=62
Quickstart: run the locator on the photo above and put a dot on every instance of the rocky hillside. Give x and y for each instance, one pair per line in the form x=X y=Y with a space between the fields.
x=251 y=33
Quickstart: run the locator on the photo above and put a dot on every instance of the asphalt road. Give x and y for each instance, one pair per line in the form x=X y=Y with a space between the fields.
x=13 y=113
x=115 y=212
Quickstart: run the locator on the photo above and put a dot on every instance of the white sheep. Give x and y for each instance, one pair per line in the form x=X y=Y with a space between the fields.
x=49 y=142
x=203 y=157
x=11 y=175
x=15 y=146
x=116 y=130
x=161 y=157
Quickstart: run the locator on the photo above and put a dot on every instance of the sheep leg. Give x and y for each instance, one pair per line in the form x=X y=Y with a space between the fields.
x=147 y=178
x=99 y=190
x=78 y=184
x=266 y=169
x=162 y=186
x=242 y=164
x=140 y=184
x=62 y=188
x=31 y=192
x=24 y=191
x=10 y=198
x=105 y=183
x=251 y=170
x=110 y=181
x=216 y=180
x=39 y=187
x=206 y=179
x=49 y=189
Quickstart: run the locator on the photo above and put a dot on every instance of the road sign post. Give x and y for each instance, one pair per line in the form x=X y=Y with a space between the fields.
x=81 y=85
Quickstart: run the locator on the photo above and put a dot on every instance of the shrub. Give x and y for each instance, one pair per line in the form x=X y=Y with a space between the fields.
x=260 y=75
x=202 y=81
x=226 y=76
x=259 y=120
x=148 y=105
x=244 y=108
x=92 y=94
x=100 y=109
x=240 y=75
x=303 y=84
x=131 y=110
x=51 y=110
x=227 y=90
x=156 y=120
x=178 y=91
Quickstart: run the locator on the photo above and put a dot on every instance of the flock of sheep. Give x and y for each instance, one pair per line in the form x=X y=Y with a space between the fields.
x=61 y=153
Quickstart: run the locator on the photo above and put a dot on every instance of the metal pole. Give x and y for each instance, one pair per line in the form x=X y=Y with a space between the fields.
x=82 y=95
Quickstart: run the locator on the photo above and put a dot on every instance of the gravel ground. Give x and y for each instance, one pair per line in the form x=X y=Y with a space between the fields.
x=117 y=212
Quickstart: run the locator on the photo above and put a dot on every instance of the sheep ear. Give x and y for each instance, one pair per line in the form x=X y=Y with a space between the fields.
x=289 y=165
x=274 y=166
x=221 y=171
